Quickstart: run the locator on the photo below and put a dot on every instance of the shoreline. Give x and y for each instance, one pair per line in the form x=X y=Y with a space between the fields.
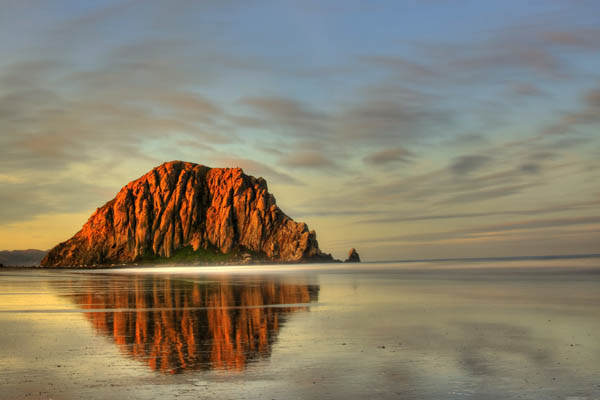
x=334 y=261
x=162 y=265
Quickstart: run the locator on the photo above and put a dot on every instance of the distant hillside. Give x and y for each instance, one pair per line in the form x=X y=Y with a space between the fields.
x=21 y=257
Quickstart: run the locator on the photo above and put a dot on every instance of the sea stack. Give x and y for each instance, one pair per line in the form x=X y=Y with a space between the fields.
x=353 y=256
x=186 y=208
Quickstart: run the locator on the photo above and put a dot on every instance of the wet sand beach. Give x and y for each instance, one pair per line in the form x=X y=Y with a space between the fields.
x=524 y=329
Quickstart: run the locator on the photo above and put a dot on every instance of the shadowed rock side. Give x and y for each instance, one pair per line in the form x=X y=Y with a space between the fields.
x=181 y=205
x=174 y=326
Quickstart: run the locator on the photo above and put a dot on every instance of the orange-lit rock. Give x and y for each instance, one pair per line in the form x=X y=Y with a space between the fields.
x=180 y=204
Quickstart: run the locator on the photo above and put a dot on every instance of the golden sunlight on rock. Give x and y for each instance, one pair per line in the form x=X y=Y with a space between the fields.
x=195 y=213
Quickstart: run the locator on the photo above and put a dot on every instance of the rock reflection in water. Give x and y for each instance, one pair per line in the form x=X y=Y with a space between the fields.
x=175 y=325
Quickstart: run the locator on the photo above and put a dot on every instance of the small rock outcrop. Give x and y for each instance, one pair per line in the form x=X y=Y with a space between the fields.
x=353 y=256
x=181 y=205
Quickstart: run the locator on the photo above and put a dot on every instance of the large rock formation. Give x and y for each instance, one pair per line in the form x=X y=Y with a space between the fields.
x=181 y=206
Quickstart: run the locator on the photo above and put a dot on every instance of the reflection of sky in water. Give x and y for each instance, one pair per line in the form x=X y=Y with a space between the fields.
x=384 y=332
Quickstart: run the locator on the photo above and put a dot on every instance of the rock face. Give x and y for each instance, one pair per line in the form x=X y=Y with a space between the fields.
x=184 y=205
x=353 y=256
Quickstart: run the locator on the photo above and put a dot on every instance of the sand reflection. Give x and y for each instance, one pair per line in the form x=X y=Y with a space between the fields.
x=177 y=325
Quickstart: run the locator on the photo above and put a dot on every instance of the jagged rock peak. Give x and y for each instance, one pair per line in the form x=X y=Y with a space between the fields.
x=181 y=205
x=353 y=256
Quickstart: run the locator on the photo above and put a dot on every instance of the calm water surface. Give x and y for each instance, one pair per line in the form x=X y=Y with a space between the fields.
x=473 y=330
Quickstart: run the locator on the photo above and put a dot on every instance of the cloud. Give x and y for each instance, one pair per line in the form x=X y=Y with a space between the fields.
x=530 y=168
x=437 y=189
x=5 y=178
x=563 y=143
x=585 y=205
x=467 y=164
x=543 y=155
x=283 y=116
x=25 y=200
x=284 y=109
x=384 y=120
x=580 y=38
x=387 y=156
x=531 y=49
x=256 y=168
x=589 y=114
x=194 y=144
x=539 y=223
x=375 y=119
x=397 y=63
x=186 y=102
x=500 y=170
x=592 y=98
x=304 y=213
x=59 y=113
x=307 y=159
x=527 y=89
x=486 y=231
x=486 y=194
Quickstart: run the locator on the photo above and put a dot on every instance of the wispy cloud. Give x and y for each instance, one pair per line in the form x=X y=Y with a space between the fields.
x=560 y=208
x=466 y=164
x=252 y=167
x=23 y=201
x=589 y=114
x=531 y=48
x=488 y=231
x=307 y=159
x=387 y=156
x=527 y=89
x=373 y=120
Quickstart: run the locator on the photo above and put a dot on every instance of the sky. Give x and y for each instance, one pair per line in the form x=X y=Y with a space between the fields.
x=406 y=129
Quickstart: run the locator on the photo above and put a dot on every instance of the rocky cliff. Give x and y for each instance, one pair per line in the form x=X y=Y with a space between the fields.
x=185 y=208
